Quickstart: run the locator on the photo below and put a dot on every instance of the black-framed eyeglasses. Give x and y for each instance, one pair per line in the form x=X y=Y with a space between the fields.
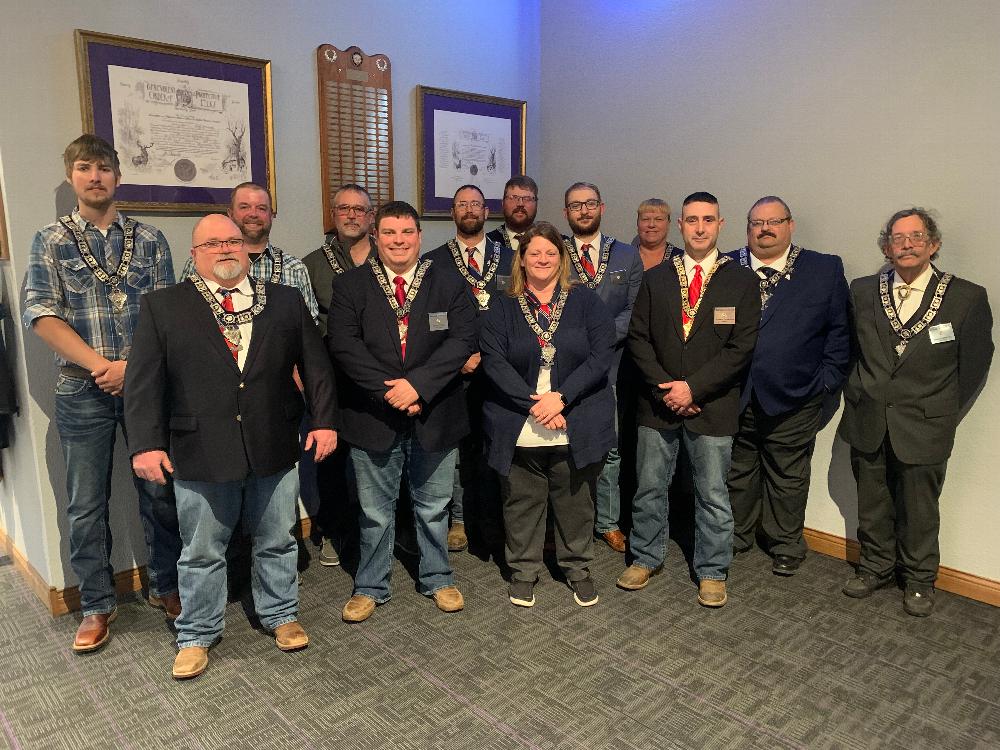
x=577 y=206
x=758 y=223
x=521 y=199
x=234 y=244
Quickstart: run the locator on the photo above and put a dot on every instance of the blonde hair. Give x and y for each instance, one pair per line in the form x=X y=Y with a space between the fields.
x=548 y=232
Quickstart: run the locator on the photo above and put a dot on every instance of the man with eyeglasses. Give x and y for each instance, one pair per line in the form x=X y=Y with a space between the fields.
x=614 y=270
x=923 y=341
x=520 y=205
x=86 y=275
x=477 y=263
x=348 y=246
x=210 y=400
x=250 y=207
x=801 y=359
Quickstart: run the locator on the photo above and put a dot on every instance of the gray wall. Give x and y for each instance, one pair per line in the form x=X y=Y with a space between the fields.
x=485 y=49
x=848 y=109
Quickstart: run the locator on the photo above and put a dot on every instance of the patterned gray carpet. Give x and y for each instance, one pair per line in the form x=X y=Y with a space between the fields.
x=787 y=663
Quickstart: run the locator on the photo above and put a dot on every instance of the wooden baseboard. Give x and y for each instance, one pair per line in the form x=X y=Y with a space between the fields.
x=955 y=581
x=31 y=576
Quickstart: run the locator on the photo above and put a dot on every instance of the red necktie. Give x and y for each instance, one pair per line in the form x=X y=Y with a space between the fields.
x=694 y=291
x=400 y=282
x=585 y=261
x=474 y=268
x=227 y=305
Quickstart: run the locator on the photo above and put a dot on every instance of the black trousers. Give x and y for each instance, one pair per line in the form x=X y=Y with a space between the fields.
x=898 y=517
x=540 y=477
x=769 y=475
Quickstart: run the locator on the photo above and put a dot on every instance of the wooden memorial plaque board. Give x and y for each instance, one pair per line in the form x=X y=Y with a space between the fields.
x=355 y=123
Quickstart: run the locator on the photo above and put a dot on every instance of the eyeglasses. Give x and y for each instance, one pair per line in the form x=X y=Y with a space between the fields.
x=577 y=206
x=917 y=239
x=474 y=205
x=758 y=223
x=521 y=199
x=345 y=210
x=233 y=244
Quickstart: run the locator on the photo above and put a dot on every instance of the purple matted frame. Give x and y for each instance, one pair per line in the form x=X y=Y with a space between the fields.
x=95 y=52
x=430 y=100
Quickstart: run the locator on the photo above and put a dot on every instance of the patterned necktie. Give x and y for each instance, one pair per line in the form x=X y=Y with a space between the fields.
x=694 y=292
x=234 y=342
x=400 y=282
x=585 y=261
x=767 y=271
x=474 y=269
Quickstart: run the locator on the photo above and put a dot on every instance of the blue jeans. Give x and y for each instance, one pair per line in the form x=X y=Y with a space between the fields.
x=430 y=476
x=208 y=512
x=656 y=459
x=609 y=496
x=87 y=419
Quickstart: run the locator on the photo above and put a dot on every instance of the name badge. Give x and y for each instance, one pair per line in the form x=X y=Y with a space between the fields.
x=940 y=333
x=724 y=315
x=437 y=321
x=503 y=283
x=618 y=277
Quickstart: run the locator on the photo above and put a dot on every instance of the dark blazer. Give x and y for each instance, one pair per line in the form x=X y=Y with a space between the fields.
x=583 y=342
x=618 y=288
x=363 y=338
x=919 y=396
x=184 y=393
x=499 y=236
x=445 y=263
x=804 y=341
x=714 y=358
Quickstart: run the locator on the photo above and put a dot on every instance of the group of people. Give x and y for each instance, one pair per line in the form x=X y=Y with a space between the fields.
x=484 y=382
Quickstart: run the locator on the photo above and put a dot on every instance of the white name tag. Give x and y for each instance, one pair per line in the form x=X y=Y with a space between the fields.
x=940 y=333
x=724 y=315
x=437 y=321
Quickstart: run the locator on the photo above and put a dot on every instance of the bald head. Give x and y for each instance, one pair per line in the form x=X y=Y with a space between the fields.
x=218 y=252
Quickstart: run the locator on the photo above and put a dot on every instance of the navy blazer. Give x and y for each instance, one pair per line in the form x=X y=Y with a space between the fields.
x=584 y=343
x=618 y=288
x=804 y=340
x=185 y=394
x=363 y=338
x=445 y=262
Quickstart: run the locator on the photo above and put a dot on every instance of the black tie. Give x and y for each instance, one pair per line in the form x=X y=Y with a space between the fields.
x=767 y=272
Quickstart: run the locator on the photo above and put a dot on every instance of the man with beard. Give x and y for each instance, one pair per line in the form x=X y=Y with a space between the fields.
x=348 y=246
x=85 y=277
x=520 y=204
x=692 y=337
x=801 y=357
x=653 y=226
x=924 y=346
x=250 y=208
x=476 y=262
x=614 y=270
x=211 y=401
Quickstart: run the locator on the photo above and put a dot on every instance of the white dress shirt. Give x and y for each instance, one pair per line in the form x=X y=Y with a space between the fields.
x=242 y=296
x=778 y=264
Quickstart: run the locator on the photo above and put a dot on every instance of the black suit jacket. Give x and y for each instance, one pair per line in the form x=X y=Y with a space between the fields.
x=363 y=337
x=185 y=394
x=919 y=396
x=714 y=358
x=444 y=262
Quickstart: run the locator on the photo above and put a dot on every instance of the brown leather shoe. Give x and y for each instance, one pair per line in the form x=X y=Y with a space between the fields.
x=615 y=539
x=170 y=604
x=94 y=632
x=358 y=608
x=449 y=599
x=711 y=593
x=457 y=540
x=290 y=636
x=634 y=577
x=190 y=662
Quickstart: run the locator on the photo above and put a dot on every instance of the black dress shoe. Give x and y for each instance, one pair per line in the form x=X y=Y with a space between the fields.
x=918 y=600
x=784 y=565
x=739 y=550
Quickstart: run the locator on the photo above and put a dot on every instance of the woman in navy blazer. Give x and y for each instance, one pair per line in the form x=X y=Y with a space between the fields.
x=546 y=348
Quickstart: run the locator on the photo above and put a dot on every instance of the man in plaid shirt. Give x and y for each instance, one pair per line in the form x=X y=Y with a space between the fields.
x=85 y=276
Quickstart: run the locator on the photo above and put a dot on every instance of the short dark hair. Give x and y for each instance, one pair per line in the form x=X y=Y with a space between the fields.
x=397 y=210
x=933 y=232
x=521 y=181
x=89 y=147
x=769 y=199
x=469 y=187
x=581 y=186
x=700 y=197
x=252 y=186
x=353 y=186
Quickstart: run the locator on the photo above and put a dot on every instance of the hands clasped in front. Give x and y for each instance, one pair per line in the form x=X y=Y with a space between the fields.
x=679 y=399
x=548 y=410
x=403 y=396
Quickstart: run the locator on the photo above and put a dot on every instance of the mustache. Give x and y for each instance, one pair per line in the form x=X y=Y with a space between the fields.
x=765 y=233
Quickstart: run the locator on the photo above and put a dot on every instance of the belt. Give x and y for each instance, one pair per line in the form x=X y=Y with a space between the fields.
x=74 y=371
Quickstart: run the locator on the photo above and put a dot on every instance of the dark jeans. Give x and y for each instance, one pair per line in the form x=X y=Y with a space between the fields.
x=539 y=477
